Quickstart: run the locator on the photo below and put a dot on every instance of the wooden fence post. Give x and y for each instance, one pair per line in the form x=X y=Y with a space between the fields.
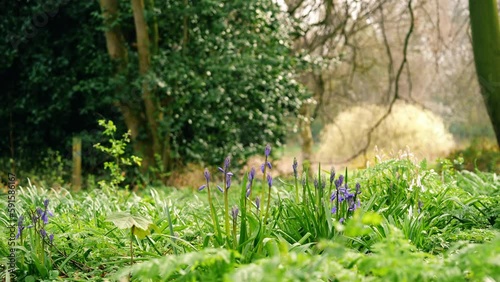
x=76 y=179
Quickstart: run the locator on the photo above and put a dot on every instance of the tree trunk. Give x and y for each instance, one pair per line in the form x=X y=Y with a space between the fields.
x=115 y=44
x=486 y=45
x=143 y=48
x=305 y=132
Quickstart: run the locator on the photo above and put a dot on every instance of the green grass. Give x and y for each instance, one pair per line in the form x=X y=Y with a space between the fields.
x=413 y=224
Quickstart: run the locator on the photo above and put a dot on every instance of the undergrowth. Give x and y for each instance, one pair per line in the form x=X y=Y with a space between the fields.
x=395 y=221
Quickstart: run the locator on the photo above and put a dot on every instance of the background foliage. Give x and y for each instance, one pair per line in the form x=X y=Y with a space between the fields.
x=223 y=74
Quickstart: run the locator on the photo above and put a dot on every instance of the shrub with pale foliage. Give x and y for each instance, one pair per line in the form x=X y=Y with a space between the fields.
x=407 y=126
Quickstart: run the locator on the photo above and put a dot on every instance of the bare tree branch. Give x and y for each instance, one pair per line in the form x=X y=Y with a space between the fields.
x=396 y=96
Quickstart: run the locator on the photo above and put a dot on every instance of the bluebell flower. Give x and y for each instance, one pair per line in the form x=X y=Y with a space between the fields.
x=46 y=203
x=220 y=189
x=268 y=150
x=202 y=187
x=358 y=188
x=227 y=173
x=269 y=181
x=227 y=162
x=295 y=166
x=334 y=209
x=262 y=166
x=39 y=211
x=332 y=175
x=234 y=212
x=251 y=176
x=207 y=175
x=316 y=183
x=45 y=216
x=43 y=233
x=323 y=183
x=51 y=238
x=20 y=227
x=341 y=220
x=228 y=180
x=339 y=181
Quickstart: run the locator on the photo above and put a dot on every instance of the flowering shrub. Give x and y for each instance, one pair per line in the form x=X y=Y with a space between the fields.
x=407 y=126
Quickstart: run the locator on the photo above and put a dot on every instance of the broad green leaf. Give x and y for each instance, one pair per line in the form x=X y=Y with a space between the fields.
x=125 y=220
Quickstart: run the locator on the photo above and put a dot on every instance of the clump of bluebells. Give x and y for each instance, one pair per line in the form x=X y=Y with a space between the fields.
x=344 y=201
x=230 y=233
x=39 y=219
x=319 y=205
x=37 y=236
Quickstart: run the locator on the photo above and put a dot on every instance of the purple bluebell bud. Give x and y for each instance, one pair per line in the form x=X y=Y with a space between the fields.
x=323 y=183
x=227 y=162
x=51 y=238
x=267 y=151
x=333 y=196
x=251 y=174
x=220 y=169
x=220 y=189
x=248 y=192
x=202 y=187
x=46 y=203
x=339 y=181
x=358 y=188
x=352 y=206
x=228 y=180
x=295 y=165
x=332 y=175
x=269 y=181
x=234 y=212
x=207 y=175
x=43 y=233
x=20 y=227
x=45 y=216
x=316 y=183
x=334 y=209
x=262 y=166
x=341 y=220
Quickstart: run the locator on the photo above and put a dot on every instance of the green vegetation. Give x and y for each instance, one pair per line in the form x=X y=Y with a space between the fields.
x=179 y=87
x=213 y=67
x=395 y=221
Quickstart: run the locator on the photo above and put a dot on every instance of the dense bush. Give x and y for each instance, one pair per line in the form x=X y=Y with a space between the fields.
x=223 y=77
x=478 y=155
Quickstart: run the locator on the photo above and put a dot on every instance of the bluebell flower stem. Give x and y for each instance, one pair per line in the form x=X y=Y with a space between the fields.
x=263 y=193
x=268 y=205
x=297 y=199
x=212 y=211
x=226 y=210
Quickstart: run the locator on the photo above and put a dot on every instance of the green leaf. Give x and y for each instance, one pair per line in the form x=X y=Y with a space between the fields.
x=125 y=220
